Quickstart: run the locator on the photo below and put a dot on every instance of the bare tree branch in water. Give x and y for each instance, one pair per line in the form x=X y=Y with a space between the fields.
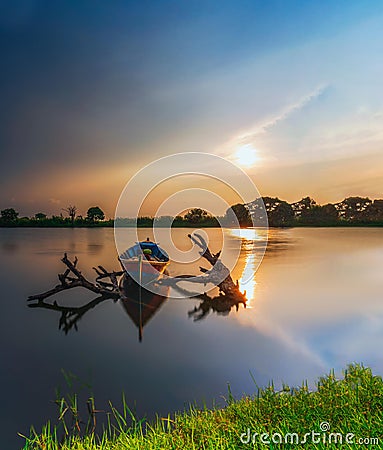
x=229 y=293
x=214 y=275
x=72 y=277
x=106 y=286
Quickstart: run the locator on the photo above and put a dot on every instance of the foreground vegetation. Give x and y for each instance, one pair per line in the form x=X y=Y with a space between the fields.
x=346 y=413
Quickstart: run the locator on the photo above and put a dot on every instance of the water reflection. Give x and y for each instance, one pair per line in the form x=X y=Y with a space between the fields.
x=251 y=241
x=95 y=249
x=250 y=234
x=70 y=315
x=10 y=247
x=221 y=304
x=247 y=282
x=140 y=305
x=318 y=303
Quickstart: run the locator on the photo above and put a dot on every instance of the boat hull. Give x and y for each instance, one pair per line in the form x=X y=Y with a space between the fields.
x=139 y=303
x=144 y=271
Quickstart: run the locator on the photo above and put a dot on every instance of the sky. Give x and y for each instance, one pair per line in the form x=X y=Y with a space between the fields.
x=93 y=91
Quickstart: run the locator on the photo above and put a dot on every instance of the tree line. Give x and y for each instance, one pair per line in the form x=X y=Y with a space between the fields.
x=95 y=217
x=68 y=217
x=352 y=211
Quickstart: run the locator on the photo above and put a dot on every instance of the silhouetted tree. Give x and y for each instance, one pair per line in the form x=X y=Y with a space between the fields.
x=144 y=221
x=257 y=210
x=9 y=215
x=303 y=205
x=330 y=212
x=178 y=220
x=373 y=212
x=279 y=212
x=353 y=208
x=239 y=211
x=196 y=215
x=95 y=213
x=72 y=211
x=40 y=216
x=319 y=215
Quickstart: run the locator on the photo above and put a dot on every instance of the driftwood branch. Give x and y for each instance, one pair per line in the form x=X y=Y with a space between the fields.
x=103 y=274
x=72 y=277
x=106 y=286
x=214 y=275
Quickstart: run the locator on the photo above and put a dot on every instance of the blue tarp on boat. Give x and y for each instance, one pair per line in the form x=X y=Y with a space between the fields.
x=138 y=249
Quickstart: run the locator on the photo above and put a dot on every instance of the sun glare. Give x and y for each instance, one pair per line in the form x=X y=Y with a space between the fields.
x=246 y=156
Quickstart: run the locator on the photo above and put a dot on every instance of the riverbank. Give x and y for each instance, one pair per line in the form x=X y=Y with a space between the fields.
x=347 y=411
x=110 y=224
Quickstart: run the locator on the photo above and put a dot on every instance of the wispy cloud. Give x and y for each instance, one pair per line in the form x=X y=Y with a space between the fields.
x=263 y=127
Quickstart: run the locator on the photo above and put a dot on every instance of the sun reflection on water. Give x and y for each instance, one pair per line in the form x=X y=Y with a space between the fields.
x=249 y=237
x=247 y=281
x=250 y=234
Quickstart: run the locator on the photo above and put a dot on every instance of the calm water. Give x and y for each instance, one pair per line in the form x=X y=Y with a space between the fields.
x=314 y=304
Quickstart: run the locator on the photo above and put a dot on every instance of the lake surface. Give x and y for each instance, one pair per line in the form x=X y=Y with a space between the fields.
x=315 y=303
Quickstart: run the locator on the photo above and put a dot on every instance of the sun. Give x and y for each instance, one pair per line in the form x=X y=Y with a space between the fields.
x=246 y=155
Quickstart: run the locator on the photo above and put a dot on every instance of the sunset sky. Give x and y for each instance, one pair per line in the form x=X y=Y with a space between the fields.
x=92 y=91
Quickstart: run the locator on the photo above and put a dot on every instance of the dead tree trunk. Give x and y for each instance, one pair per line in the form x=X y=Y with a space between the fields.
x=219 y=274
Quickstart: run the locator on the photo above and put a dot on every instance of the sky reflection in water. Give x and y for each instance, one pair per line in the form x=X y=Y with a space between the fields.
x=315 y=305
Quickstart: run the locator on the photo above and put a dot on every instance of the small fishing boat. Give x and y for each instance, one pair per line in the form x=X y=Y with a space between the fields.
x=145 y=261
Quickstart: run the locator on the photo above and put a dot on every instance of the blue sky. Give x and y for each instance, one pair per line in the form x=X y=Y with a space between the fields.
x=91 y=91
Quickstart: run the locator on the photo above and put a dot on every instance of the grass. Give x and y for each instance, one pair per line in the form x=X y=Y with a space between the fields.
x=353 y=404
